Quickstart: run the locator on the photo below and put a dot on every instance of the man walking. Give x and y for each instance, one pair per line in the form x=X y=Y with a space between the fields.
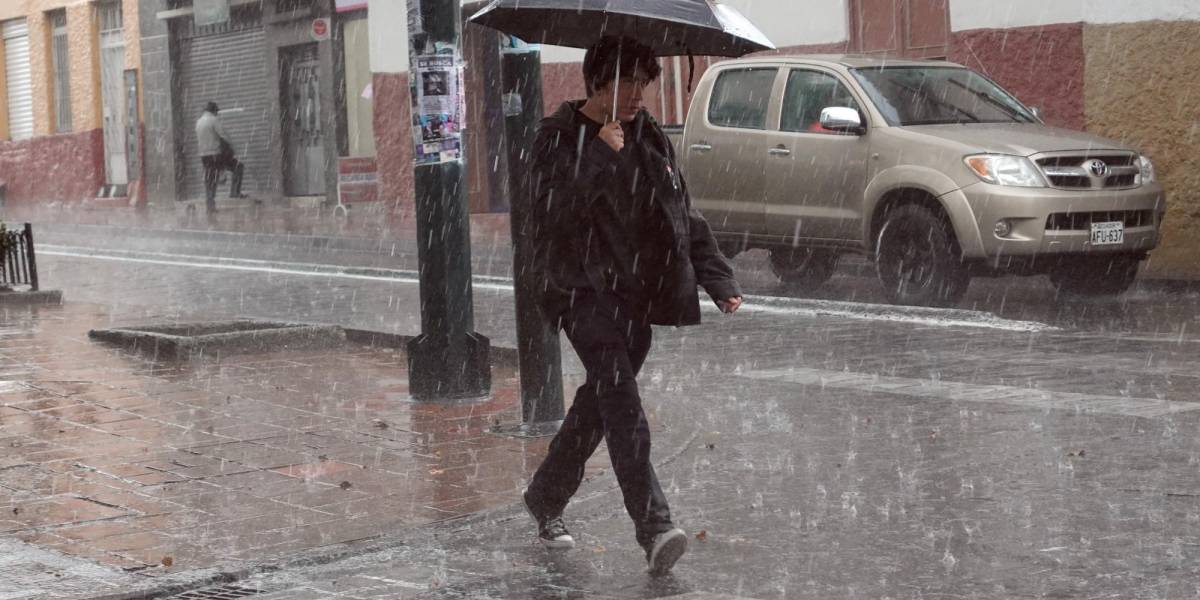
x=618 y=248
x=216 y=155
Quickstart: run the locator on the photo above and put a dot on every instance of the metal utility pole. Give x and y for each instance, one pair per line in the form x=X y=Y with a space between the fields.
x=449 y=359
x=538 y=350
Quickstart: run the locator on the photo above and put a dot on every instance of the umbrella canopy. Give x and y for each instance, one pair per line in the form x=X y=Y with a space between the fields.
x=669 y=27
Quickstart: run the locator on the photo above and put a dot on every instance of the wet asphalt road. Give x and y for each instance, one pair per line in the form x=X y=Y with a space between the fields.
x=1150 y=309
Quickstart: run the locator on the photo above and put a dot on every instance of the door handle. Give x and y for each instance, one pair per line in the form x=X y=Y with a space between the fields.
x=779 y=151
x=701 y=147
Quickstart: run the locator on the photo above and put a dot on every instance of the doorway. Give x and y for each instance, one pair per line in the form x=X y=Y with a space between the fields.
x=112 y=92
x=303 y=133
x=908 y=28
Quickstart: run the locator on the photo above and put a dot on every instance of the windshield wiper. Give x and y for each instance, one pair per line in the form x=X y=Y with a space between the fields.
x=938 y=101
x=990 y=99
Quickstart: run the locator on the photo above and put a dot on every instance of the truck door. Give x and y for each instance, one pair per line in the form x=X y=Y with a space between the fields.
x=723 y=171
x=814 y=177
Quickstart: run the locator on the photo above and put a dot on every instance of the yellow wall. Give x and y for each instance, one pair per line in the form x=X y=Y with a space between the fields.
x=84 y=53
x=1141 y=87
x=3 y=96
x=41 y=66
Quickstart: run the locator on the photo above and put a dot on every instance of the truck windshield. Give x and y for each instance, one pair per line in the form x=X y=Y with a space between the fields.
x=938 y=96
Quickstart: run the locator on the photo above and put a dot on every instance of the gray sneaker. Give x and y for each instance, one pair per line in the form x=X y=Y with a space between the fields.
x=665 y=550
x=552 y=532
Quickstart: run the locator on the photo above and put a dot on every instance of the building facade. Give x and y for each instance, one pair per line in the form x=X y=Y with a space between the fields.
x=69 y=101
x=272 y=73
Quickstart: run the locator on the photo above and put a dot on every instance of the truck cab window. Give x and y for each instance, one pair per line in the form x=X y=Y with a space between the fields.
x=740 y=98
x=806 y=95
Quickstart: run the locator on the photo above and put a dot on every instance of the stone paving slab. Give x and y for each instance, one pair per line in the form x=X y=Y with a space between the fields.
x=155 y=468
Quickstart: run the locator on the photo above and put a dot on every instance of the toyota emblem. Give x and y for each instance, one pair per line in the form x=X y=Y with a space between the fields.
x=1096 y=167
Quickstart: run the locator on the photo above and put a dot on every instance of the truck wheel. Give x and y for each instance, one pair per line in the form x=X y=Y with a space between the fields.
x=805 y=268
x=918 y=259
x=1094 y=277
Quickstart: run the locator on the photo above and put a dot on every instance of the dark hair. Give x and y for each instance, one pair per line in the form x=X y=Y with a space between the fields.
x=600 y=62
x=211 y=107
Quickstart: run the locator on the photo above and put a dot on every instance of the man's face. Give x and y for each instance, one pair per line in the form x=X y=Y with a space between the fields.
x=629 y=90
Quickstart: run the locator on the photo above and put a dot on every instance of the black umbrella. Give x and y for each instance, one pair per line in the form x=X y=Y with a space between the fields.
x=669 y=27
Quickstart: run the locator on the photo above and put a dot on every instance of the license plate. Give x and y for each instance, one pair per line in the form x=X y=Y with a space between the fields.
x=1107 y=234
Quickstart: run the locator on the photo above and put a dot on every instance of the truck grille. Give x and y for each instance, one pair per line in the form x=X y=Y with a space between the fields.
x=1082 y=221
x=1071 y=171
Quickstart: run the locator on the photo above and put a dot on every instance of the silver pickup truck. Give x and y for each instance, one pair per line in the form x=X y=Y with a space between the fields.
x=929 y=168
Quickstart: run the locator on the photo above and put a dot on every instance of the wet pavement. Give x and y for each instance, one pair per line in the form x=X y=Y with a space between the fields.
x=159 y=468
x=811 y=452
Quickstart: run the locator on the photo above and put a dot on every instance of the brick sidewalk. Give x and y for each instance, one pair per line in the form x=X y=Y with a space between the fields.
x=158 y=468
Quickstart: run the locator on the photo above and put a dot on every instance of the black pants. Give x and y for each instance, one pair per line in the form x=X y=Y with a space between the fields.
x=612 y=347
x=213 y=165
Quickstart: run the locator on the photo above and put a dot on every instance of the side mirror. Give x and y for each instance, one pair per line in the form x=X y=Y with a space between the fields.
x=842 y=119
x=1037 y=112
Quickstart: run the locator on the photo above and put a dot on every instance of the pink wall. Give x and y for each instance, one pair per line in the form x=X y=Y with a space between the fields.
x=393 y=138
x=1043 y=66
x=53 y=168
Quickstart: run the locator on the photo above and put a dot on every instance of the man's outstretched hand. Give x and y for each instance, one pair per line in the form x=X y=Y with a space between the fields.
x=730 y=305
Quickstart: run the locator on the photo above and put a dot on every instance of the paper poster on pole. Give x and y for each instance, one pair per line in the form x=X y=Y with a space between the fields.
x=438 y=108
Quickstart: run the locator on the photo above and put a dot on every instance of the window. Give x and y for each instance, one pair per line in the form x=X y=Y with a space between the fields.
x=741 y=97
x=62 y=70
x=939 y=96
x=18 y=78
x=807 y=94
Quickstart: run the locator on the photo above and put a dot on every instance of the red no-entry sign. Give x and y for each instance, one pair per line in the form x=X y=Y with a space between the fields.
x=320 y=29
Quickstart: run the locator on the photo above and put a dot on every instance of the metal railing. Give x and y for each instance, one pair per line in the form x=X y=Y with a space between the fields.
x=18 y=265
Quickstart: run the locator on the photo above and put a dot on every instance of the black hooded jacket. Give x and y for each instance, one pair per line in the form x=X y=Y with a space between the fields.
x=619 y=222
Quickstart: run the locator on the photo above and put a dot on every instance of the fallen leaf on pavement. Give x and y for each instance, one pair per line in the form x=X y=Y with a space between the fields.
x=345 y=485
x=167 y=561
x=703 y=535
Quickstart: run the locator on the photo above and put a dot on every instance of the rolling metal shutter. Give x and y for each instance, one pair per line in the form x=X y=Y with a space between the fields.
x=227 y=64
x=19 y=79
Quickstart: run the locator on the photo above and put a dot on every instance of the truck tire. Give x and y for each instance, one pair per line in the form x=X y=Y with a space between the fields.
x=918 y=260
x=1096 y=277
x=805 y=268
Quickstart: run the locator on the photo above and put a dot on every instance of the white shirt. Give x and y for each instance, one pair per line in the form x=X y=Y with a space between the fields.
x=209 y=134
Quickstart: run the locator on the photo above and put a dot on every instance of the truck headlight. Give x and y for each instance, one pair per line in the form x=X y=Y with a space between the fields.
x=1003 y=169
x=1146 y=175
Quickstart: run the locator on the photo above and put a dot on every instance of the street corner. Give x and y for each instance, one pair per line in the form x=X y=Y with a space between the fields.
x=161 y=468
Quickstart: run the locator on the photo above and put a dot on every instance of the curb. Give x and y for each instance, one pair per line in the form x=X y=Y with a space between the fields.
x=29 y=298
x=378 y=245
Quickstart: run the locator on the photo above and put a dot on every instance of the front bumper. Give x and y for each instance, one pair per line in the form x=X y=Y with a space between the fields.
x=1048 y=221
